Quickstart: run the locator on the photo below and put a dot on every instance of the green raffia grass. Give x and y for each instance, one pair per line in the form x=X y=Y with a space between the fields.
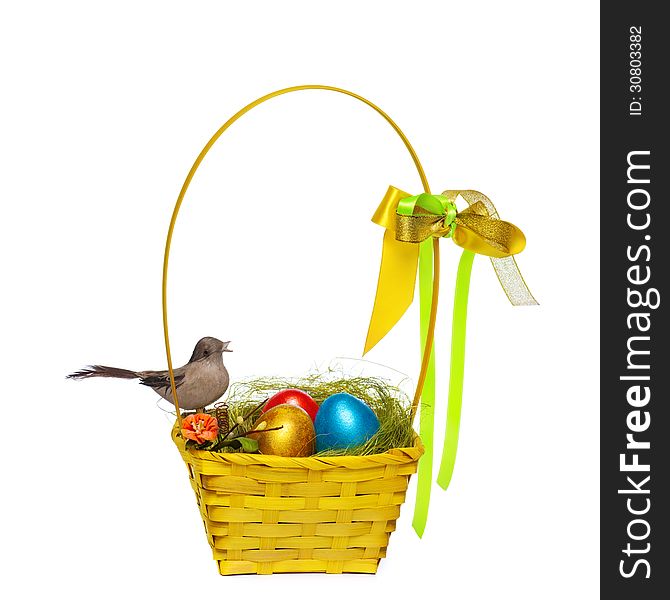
x=390 y=404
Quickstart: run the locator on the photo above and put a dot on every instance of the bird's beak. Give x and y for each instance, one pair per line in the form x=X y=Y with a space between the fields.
x=225 y=347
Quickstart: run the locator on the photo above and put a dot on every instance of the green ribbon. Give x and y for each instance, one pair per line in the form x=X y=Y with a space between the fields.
x=427 y=410
x=436 y=205
x=457 y=368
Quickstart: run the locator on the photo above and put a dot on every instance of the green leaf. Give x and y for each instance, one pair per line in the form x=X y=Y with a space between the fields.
x=240 y=443
x=248 y=445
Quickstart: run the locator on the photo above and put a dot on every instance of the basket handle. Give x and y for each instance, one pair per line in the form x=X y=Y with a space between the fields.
x=429 y=334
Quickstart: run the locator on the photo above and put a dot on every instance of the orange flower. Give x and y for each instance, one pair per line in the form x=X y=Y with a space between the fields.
x=200 y=428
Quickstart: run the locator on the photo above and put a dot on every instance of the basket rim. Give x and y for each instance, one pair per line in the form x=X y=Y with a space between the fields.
x=392 y=456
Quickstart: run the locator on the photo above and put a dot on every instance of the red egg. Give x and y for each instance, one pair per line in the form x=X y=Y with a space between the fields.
x=296 y=398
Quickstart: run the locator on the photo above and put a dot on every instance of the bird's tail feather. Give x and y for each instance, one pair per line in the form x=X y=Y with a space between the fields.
x=102 y=371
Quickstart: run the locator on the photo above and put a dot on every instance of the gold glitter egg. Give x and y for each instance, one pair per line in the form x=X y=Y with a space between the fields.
x=284 y=430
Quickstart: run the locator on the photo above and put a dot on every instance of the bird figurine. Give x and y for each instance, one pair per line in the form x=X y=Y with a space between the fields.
x=201 y=381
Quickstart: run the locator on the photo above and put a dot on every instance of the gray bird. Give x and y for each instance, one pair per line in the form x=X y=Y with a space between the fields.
x=201 y=381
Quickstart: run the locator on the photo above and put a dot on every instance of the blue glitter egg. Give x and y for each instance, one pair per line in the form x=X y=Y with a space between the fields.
x=344 y=421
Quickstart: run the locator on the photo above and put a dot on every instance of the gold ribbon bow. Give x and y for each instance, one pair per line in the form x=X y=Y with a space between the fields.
x=409 y=220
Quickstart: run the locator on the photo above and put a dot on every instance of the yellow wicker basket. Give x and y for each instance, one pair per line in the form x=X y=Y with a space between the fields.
x=272 y=514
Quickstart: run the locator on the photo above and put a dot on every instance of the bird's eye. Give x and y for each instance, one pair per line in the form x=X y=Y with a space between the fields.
x=205 y=352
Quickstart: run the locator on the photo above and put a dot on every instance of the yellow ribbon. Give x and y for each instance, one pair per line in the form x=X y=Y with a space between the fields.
x=477 y=228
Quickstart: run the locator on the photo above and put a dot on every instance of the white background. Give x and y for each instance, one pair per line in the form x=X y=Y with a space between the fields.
x=104 y=107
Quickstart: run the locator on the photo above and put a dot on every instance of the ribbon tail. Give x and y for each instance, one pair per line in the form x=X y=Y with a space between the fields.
x=427 y=409
x=458 y=330
x=395 y=287
x=512 y=282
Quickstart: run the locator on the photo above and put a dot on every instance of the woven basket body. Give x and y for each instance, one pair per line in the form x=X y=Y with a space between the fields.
x=273 y=514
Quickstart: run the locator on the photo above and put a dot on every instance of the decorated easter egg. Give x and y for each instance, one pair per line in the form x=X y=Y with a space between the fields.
x=284 y=430
x=296 y=398
x=344 y=421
